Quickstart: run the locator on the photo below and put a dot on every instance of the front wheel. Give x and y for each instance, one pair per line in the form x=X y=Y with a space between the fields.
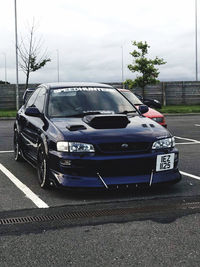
x=42 y=168
x=17 y=152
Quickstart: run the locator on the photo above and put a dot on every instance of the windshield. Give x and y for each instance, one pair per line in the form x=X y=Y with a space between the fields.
x=131 y=97
x=69 y=102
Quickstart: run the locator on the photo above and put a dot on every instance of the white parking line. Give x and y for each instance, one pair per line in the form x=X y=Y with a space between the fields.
x=198 y=125
x=8 y=151
x=190 y=175
x=29 y=194
x=188 y=143
x=191 y=141
x=187 y=139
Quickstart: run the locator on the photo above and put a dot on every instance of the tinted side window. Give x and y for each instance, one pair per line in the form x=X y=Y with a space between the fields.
x=39 y=102
x=32 y=98
x=27 y=96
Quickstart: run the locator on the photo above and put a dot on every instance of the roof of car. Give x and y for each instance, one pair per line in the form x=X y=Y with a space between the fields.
x=30 y=89
x=74 y=84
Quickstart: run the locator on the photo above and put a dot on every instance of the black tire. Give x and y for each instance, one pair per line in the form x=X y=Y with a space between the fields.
x=42 y=168
x=16 y=146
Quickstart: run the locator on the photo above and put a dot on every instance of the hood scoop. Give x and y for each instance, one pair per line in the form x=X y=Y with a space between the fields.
x=76 y=127
x=111 y=121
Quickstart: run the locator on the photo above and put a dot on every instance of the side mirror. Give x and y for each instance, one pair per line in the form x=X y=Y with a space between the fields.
x=32 y=111
x=143 y=109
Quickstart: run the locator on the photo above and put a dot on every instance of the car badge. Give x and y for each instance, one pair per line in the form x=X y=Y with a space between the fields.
x=124 y=146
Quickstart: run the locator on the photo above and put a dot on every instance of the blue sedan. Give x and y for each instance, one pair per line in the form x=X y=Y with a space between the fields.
x=88 y=135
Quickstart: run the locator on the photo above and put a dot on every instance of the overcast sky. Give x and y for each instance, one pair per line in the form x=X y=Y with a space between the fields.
x=89 y=35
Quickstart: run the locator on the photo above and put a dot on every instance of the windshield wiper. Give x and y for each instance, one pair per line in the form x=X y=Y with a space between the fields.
x=85 y=114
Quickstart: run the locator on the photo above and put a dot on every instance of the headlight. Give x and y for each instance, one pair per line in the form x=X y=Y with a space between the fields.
x=74 y=147
x=164 y=143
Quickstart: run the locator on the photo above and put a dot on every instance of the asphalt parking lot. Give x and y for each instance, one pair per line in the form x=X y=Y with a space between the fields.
x=19 y=188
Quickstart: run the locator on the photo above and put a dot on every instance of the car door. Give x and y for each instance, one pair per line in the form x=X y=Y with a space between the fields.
x=23 y=121
x=33 y=125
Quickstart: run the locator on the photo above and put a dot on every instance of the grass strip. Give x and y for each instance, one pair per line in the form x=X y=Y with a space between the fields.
x=8 y=113
x=180 y=109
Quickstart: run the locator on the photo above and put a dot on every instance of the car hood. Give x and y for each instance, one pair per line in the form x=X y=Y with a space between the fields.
x=152 y=113
x=140 y=129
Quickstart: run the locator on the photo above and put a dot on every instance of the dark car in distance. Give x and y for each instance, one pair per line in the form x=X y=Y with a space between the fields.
x=152 y=103
x=88 y=135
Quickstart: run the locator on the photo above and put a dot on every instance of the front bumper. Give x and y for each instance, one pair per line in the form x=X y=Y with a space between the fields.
x=109 y=171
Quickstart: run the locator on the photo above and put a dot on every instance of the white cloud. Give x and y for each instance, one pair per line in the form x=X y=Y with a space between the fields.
x=89 y=35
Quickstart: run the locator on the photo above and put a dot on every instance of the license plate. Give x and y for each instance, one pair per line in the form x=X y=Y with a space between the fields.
x=165 y=162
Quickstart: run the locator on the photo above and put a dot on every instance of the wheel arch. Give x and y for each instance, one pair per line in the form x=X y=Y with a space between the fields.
x=43 y=141
x=16 y=126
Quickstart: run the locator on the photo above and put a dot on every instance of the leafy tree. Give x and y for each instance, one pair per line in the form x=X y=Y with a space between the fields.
x=32 y=57
x=144 y=66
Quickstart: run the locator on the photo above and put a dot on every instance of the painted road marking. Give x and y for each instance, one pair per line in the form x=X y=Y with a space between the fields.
x=188 y=139
x=190 y=175
x=29 y=194
x=9 y=151
x=191 y=141
x=198 y=125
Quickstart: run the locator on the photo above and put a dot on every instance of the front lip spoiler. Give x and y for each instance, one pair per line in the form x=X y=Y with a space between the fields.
x=118 y=186
x=122 y=187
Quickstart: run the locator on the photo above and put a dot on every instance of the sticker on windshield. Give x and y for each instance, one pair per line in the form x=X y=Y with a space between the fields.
x=86 y=89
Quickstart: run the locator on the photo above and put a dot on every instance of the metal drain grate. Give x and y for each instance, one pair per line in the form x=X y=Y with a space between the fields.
x=99 y=213
x=67 y=216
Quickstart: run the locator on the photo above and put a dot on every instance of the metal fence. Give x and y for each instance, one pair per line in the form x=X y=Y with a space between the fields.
x=168 y=93
x=172 y=93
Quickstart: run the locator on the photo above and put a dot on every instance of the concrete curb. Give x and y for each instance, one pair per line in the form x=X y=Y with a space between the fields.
x=7 y=118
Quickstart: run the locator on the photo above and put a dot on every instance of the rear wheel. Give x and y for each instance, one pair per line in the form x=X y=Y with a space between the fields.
x=42 y=168
x=17 y=151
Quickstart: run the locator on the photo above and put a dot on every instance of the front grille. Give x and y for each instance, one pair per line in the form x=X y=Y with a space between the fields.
x=134 y=147
x=113 y=168
x=127 y=168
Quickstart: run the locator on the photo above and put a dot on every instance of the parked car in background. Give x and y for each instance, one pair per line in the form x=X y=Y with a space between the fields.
x=152 y=113
x=88 y=135
x=152 y=103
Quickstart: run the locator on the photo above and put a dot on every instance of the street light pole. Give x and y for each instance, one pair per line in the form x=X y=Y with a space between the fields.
x=122 y=67
x=16 y=52
x=196 y=51
x=5 y=66
x=58 y=67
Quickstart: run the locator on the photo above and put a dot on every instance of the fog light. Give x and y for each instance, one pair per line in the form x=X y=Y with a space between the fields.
x=66 y=162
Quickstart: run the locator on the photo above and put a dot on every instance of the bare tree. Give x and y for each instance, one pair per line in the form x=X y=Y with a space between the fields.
x=32 y=56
